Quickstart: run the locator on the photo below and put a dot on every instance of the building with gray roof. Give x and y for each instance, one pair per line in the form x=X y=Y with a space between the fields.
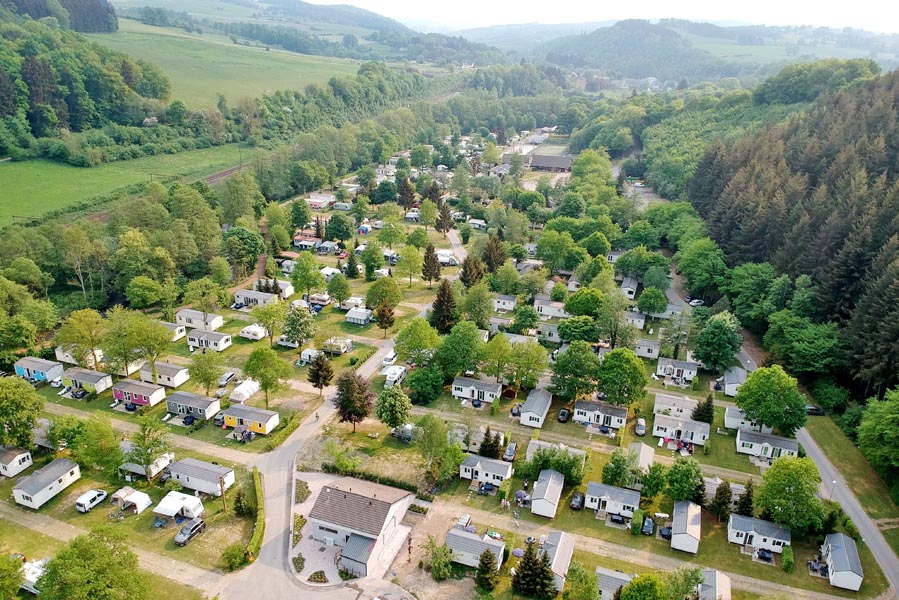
x=844 y=567
x=610 y=582
x=686 y=528
x=611 y=499
x=559 y=546
x=536 y=407
x=546 y=493
x=36 y=489
x=468 y=546
x=755 y=533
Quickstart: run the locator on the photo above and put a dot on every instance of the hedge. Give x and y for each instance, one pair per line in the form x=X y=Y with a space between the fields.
x=255 y=542
x=425 y=496
x=278 y=437
x=422 y=510
x=637 y=522
x=787 y=558
x=373 y=477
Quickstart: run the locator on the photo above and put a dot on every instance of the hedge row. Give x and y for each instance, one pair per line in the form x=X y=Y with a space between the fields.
x=373 y=477
x=277 y=438
x=255 y=542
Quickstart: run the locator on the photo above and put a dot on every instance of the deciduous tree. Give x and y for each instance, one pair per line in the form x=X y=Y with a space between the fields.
x=409 y=263
x=386 y=290
x=354 y=398
x=81 y=334
x=527 y=363
x=425 y=384
x=477 y=304
x=685 y=479
x=622 y=377
x=789 y=494
x=272 y=317
x=496 y=356
x=339 y=288
x=655 y=480
x=652 y=300
x=306 y=274
x=20 y=408
x=575 y=371
x=393 y=407
x=149 y=442
x=266 y=367
x=581 y=584
x=645 y=587
x=430 y=438
x=461 y=350
x=719 y=341
x=771 y=397
x=384 y=315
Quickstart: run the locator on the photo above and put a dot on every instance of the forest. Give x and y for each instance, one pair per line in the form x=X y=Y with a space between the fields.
x=79 y=15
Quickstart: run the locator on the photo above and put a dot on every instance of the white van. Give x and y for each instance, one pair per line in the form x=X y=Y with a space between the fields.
x=225 y=378
x=88 y=500
x=389 y=359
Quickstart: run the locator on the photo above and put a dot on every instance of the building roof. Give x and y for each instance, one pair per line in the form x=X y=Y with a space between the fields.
x=170 y=326
x=196 y=314
x=648 y=344
x=712 y=483
x=191 y=467
x=488 y=465
x=620 y=495
x=610 y=581
x=715 y=585
x=687 y=519
x=189 y=399
x=136 y=387
x=776 y=441
x=681 y=423
x=680 y=402
x=544 y=161
x=548 y=486
x=358 y=313
x=356 y=504
x=680 y=364
x=645 y=454
x=733 y=412
x=203 y=334
x=478 y=384
x=36 y=364
x=167 y=369
x=358 y=548
x=515 y=338
x=84 y=374
x=40 y=479
x=601 y=407
x=630 y=282
x=559 y=546
x=763 y=528
x=506 y=298
x=459 y=540
x=735 y=375
x=9 y=454
x=549 y=303
x=536 y=445
x=844 y=553
x=242 y=411
x=537 y=402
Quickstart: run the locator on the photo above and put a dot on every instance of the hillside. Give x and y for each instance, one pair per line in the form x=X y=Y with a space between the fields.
x=521 y=38
x=79 y=15
x=337 y=14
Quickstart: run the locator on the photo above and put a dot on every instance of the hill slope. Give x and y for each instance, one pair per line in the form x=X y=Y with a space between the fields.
x=521 y=38
x=337 y=14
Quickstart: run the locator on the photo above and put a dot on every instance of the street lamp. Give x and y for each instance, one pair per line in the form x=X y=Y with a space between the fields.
x=832 y=486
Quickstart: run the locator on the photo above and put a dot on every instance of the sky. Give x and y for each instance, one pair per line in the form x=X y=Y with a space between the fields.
x=873 y=15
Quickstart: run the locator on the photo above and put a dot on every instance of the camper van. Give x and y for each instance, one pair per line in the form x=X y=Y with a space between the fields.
x=337 y=346
x=395 y=375
x=447 y=259
x=283 y=341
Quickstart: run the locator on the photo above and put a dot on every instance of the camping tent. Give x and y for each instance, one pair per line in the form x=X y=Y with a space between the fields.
x=176 y=503
x=244 y=391
x=129 y=499
x=119 y=497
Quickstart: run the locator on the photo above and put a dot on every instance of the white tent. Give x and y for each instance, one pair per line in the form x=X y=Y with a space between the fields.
x=119 y=497
x=244 y=391
x=177 y=503
x=137 y=502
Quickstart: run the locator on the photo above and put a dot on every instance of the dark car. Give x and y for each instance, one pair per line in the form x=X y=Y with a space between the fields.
x=476 y=403
x=577 y=501
x=79 y=393
x=191 y=529
x=665 y=532
x=564 y=415
x=649 y=526
x=618 y=519
x=190 y=420
x=811 y=409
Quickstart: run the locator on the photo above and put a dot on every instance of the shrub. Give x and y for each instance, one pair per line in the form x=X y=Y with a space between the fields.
x=787 y=558
x=422 y=510
x=425 y=496
x=707 y=448
x=298 y=522
x=301 y=491
x=832 y=397
x=373 y=477
x=278 y=437
x=318 y=577
x=852 y=530
x=353 y=361
x=299 y=562
x=637 y=522
x=234 y=556
x=244 y=502
x=346 y=575
x=255 y=542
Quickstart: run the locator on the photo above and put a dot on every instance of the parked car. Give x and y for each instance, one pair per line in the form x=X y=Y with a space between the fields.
x=56 y=382
x=220 y=393
x=225 y=378
x=516 y=410
x=64 y=391
x=219 y=419
x=640 y=427
x=389 y=359
x=811 y=409
x=237 y=306
x=577 y=501
x=696 y=303
x=649 y=526
x=509 y=454
x=564 y=415
x=665 y=532
x=79 y=393
x=476 y=403
x=88 y=500
x=343 y=254
x=617 y=519
x=166 y=475
x=190 y=420
x=191 y=529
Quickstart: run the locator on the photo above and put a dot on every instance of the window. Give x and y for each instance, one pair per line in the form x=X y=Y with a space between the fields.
x=533 y=419
x=60 y=479
x=746 y=445
x=739 y=534
x=328 y=529
x=72 y=473
x=26 y=498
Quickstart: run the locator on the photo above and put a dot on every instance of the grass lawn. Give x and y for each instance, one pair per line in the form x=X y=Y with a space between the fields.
x=202 y=66
x=35 y=187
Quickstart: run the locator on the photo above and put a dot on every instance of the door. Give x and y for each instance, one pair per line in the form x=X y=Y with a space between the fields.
x=677 y=434
x=749 y=539
x=607 y=420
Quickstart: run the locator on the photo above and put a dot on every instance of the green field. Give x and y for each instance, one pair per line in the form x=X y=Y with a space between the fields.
x=36 y=187
x=202 y=66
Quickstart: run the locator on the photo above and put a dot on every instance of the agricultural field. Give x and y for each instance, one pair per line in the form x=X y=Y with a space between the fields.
x=202 y=66
x=35 y=187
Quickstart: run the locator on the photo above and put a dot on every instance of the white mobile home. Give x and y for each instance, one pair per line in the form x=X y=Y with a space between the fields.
x=468 y=546
x=535 y=446
x=504 y=303
x=467 y=388
x=485 y=470
x=734 y=377
x=675 y=406
x=547 y=493
x=13 y=461
x=755 y=533
x=251 y=298
x=535 y=408
x=715 y=585
x=178 y=331
x=167 y=374
x=765 y=445
x=67 y=355
x=734 y=418
x=611 y=500
x=635 y=319
x=253 y=332
x=686 y=527
x=395 y=374
x=202 y=338
x=674 y=428
x=559 y=546
x=610 y=581
x=193 y=319
x=844 y=567
x=629 y=287
x=600 y=413
x=677 y=369
x=550 y=309
x=647 y=348
x=42 y=485
x=131 y=471
x=359 y=316
x=202 y=476
x=284 y=287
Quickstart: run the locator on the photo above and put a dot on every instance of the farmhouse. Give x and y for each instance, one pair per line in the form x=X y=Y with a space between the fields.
x=535 y=446
x=360 y=517
x=715 y=585
x=167 y=374
x=284 y=287
x=92 y=381
x=186 y=403
x=734 y=418
x=178 y=331
x=755 y=533
x=612 y=500
x=844 y=567
x=467 y=546
x=668 y=367
x=31 y=367
x=202 y=338
x=600 y=413
x=676 y=406
x=42 y=485
x=559 y=547
x=629 y=287
x=466 y=388
x=359 y=316
x=257 y=420
x=485 y=470
x=734 y=377
x=547 y=492
x=535 y=408
x=609 y=582
x=550 y=309
x=251 y=298
x=763 y=445
x=202 y=476
x=647 y=348
x=674 y=428
x=194 y=319
x=13 y=461
x=140 y=393
x=686 y=527
x=504 y=303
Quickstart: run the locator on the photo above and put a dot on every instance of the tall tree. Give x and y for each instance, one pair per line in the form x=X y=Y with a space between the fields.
x=477 y=304
x=719 y=341
x=430 y=269
x=746 y=501
x=354 y=398
x=428 y=212
x=430 y=438
x=416 y=340
x=461 y=350
x=473 y=270
x=443 y=312
x=99 y=446
x=622 y=377
x=789 y=494
x=683 y=582
x=496 y=356
x=652 y=300
x=299 y=325
x=393 y=407
x=409 y=262
x=266 y=367
x=203 y=294
x=272 y=317
x=119 y=342
x=149 y=442
x=621 y=469
x=527 y=363
x=575 y=371
x=645 y=587
x=684 y=479
x=721 y=501
x=487 y=575
x=704 y=411
x=876 y=436
x=386 y=290
x=581 y=583
x=444 y=219
x=20 y=408
x=320 y=372
x=769 y=396
x=81 y=334
x=206 y=368
x=494 y=254
x=385 y=316
x=10 y=564
x=306 y=274
x=339 y=288
x=655 y=480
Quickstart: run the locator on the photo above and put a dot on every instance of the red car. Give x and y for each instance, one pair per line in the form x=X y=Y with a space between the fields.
x=343 y=254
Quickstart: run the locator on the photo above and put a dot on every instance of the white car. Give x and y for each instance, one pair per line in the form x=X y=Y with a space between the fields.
x=697 y=302
x=88 y=500
x=389 y=359
x=57 y=383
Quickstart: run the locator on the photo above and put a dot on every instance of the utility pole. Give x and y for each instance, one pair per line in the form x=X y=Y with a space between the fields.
x=222 y=489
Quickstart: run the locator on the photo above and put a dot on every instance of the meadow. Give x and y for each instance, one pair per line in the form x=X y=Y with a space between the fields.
x=202 y=66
